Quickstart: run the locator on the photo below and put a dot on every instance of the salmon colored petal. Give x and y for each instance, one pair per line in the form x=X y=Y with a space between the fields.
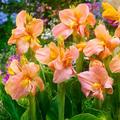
x=93 y=47
x=62 y=75
x=117 y=32
x=82 y=30
x=22 y=46
x=15 y=88
x=91 y=19
x=108 y=85
x=56 y=64
x=30 y=69
x=34 y=87
x=114 y=43
x=21 y=19
x=74 y=52
x=115 y=64
x=43 y=55
x=39 y=83
x=16 y=34
x=105 y=53
x=61 y=30
x=36 y=27
x=15 y=66
x=67 y=17
x=82 y=12
x=101 y=33
x=95 y=81
x=34 y=45
x=100 y=73
x=99 y=95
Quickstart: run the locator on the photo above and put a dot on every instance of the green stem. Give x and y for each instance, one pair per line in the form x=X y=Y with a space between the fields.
x=61 y=101
x=32 y=107
x=79 y=63
x=116 y=100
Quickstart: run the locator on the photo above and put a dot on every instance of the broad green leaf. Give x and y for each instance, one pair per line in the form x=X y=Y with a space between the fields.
x=84 y=116
x=99 y=113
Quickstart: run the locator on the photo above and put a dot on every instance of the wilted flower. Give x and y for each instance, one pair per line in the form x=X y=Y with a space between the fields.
x=26 y=33
x=74 y=20
x=96 y=81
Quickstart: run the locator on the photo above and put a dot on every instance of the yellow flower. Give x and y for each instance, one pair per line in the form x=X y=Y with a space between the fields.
x=110 y=12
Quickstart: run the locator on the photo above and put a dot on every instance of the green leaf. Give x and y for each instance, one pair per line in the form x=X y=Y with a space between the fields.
x=84 y=116
x=10 y=105
x=53 y=111
x=99 y=113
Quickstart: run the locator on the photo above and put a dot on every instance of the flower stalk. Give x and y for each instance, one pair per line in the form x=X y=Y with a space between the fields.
x=61 y=101
x=32 y=107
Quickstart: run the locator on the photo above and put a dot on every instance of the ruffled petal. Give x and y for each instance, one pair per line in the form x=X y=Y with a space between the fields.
x=115 y=64
x=61 y=30
x=43 y=55
x=35 y=27
x=82 y=12
x=67 y=17
x=62 y=75
x=91 y=19
x=22 y=46
x=21 y=19
x=93 y=47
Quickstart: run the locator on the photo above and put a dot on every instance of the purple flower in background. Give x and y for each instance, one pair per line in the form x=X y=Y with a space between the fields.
x=112 y=22
x=13 y=57
x=95 y=8
x=3 y=18
x=13 y=17
x=8 y=72
x=6 y=77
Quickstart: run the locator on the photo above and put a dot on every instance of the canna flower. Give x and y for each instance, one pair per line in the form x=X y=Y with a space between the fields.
x=47 y=54
x=74 y=20
x=59 y=60
x=23 y=79
x=115 y=64
x=111 y=14
x=117 y=32
x=26 y=33
x=102 y=45
x=96 y=81
x=62 y=66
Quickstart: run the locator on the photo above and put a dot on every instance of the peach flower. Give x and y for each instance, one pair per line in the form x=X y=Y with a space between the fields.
x=74 y=20
x=96 y=81
x=23 y=80
x=26 y=33
x=102 y=45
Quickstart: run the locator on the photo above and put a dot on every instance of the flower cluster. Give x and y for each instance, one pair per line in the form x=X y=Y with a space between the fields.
x=22 y=73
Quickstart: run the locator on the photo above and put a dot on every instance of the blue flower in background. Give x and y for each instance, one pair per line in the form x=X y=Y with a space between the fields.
x=13 y=17
x=5 y=1
x=3 y=17
x=9 y=1
x=95 y=8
